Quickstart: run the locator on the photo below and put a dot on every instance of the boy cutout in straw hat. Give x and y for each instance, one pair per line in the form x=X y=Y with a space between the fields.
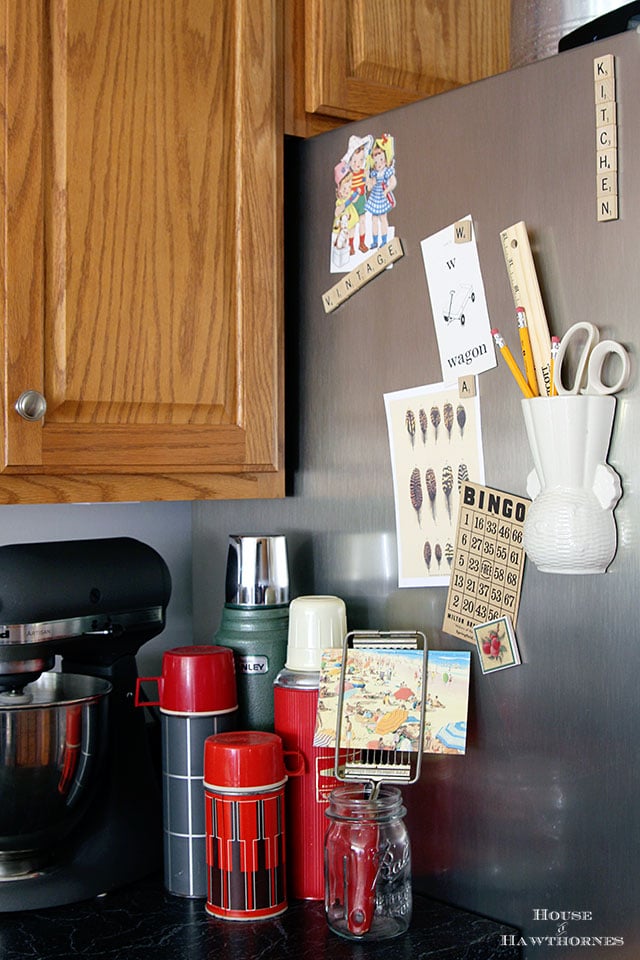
x=345 y=217
x=358 y=152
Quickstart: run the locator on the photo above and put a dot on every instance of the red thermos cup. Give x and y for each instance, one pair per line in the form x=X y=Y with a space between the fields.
x=315 y=624
x=244 y=780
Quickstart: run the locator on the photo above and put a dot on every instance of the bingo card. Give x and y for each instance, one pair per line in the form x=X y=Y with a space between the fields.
x=486 y=574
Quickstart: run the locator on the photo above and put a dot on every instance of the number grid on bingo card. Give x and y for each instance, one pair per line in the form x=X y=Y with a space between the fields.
x=486 y=574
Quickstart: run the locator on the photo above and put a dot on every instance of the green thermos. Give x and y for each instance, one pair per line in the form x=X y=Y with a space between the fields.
x=255 y=622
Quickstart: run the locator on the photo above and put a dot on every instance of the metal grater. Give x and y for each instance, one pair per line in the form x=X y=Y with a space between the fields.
x=401 y=767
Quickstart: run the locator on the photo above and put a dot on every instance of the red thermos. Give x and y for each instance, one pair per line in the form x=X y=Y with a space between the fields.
x=315 y=624
x=244 y=779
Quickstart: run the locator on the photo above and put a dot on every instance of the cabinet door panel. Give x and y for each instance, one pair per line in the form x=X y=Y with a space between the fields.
x=143 y=268
x=367 y=56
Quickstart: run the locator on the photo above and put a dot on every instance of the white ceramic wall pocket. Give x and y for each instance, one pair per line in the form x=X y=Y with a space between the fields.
x=570 y=527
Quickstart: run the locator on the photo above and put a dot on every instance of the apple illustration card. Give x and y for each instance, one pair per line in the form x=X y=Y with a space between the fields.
x=497 y=645
x=458 y=304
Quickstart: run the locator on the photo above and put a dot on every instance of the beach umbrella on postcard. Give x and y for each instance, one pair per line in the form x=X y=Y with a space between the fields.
x=453 y=735
x=324 y=738
x=404 y=693
x=391 y=720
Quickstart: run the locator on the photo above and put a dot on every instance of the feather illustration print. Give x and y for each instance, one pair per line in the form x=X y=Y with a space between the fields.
x=461 y=417
x=447 y=416
x=410 y=424
x=430 y=482
x=422 y=417
x=447 y=486
x=463 y=474
x=435 y=419
x=415 y=491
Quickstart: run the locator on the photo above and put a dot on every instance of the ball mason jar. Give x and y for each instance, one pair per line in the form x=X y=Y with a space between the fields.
x=367 y=863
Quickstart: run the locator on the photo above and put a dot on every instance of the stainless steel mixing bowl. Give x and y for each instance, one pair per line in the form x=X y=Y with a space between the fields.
x=51 y=743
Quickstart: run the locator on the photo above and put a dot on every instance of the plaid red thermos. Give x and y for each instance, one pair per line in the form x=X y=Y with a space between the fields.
x=244 y=780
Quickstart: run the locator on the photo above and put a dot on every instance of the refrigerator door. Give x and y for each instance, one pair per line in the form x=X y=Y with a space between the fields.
x=540 y=814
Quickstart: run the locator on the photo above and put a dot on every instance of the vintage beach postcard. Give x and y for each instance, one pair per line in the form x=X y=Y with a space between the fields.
x=382 y=700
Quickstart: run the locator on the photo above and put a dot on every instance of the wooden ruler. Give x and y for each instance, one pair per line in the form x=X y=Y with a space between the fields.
x=526 y=293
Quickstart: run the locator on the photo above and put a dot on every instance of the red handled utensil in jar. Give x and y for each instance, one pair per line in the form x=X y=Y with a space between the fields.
x=380 y=724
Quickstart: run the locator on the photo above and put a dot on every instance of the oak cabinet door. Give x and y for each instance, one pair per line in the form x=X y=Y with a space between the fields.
x=350 y=59
x=142 y=249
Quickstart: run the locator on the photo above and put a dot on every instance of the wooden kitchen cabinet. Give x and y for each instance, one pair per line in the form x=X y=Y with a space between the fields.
x=142 y=249
x=350 y=59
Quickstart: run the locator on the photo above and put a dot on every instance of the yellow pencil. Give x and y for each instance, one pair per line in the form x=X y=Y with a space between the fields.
x=527 y=352
x=555 y=346
x=513 y=366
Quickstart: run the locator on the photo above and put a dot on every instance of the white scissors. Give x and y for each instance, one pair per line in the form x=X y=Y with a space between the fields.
x=591 y=359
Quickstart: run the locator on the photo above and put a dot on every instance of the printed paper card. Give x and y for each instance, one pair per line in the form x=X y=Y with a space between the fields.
x=382 y=700
x=365 y=181
x=435 y=445
x=488 y=562
x=458 y=303
x=497 y=645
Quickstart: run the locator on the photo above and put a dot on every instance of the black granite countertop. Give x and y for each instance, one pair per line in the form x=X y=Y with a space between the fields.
x=143 y=922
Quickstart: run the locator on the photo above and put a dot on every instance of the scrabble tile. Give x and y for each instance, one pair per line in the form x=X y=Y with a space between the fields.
x=466 y=387
x=604 y=67
x=606 y=114
x=606 y=184
x=462 y=231
x=607 y=208
x=605 y=90
x=606 y=137
x=606 y=160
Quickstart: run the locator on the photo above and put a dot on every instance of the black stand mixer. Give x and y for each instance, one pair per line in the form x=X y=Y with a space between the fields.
x=80 y=802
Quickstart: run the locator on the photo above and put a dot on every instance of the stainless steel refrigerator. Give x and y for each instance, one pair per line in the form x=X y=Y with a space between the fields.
x=538 y=824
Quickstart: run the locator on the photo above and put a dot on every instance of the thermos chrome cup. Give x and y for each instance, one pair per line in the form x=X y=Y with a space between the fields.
x=255 y=621
x=315 y=623
x=244 y=779
x=197 y=698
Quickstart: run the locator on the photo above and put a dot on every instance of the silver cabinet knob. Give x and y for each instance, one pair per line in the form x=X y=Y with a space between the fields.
x=31 y=405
